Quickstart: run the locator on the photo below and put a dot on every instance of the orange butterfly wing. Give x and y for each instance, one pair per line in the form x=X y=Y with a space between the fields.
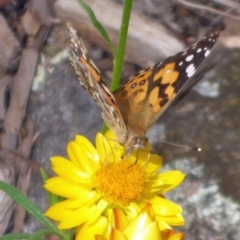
x=91 y=80
x=147 y=94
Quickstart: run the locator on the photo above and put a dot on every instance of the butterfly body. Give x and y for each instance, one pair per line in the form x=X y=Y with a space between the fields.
x=133 y=108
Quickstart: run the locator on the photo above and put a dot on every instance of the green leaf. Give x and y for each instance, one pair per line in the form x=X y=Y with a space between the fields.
x=97 y=24
x=18 y=236
x=17 y=196
x=52 y=198
x=72 y=233
x=44 y=175
x=36 y=236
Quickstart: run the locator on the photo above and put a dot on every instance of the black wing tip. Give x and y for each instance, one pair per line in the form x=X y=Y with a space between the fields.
x=214 y=34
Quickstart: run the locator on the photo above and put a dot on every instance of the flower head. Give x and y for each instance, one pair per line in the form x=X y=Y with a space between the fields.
x=94 y=181
x=143 y=227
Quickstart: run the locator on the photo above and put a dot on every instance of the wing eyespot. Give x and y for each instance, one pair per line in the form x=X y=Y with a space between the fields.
x=133 y=85
x=124 y=93
x=142 y=82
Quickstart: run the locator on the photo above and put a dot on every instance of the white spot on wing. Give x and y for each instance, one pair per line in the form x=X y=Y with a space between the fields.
x=190 y=70
x=189 y=58
x=199 y=50
x=207 y=53
x=181 y=63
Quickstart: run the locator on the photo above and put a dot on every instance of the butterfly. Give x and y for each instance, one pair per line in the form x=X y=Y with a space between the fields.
x=133 y=108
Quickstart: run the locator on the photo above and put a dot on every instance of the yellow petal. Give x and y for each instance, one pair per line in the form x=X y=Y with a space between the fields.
x=143 y=227
x=99 y=237
x=69 y=171
x=120 y=219
x=66 y=189
x=89 y=230
x=111 y=138
x=61 y=211
x=73 y=156
x=162 y=224
x=78 y=216
x=132 y=210
x=88 y=152
x=137 y=225
x=171 y=179
x=165 y=207
x=103 y=147
x=150 y=232
x=117 y=235
x=154 y=164
x=109 y=151
x=86 y=160
x=175 y=220
x=166 y=181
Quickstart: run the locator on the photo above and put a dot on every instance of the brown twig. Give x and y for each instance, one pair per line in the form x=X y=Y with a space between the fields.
x=229 y=4
x=206 y=8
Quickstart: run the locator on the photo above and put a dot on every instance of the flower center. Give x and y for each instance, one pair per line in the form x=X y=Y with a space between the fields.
x=121 y=182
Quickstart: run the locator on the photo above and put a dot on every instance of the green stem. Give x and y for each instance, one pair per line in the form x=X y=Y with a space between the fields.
x=118 y=60
x=119 y=57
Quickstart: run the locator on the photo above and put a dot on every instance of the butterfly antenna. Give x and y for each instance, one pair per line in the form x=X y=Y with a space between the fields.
x=183 y=146
x=147 y=161
x=136 y=157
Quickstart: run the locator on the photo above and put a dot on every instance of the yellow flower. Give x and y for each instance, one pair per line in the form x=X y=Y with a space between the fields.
x=143 y=227
x=97 y=180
